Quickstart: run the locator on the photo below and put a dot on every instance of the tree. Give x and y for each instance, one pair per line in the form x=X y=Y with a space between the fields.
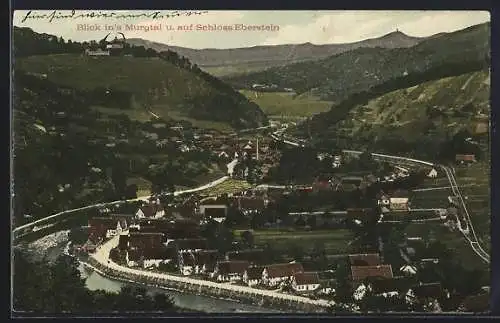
x=319 y=255
x=41 y=287
x=296 y=251
x=162 y=302
x=131 y=191
x=343 y=291
x=224 y=239
x=248 y=238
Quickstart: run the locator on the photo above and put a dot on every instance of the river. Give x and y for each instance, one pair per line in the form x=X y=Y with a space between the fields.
x=52 y=246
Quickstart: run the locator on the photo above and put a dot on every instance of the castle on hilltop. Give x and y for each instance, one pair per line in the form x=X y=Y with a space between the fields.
x=109 y=48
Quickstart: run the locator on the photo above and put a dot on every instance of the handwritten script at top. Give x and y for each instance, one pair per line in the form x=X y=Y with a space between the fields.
x=57 y=15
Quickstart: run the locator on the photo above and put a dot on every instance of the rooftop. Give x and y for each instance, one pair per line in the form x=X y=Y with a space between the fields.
x=359 y=273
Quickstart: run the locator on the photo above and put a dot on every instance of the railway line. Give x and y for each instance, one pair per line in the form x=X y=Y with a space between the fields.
x=468 y=232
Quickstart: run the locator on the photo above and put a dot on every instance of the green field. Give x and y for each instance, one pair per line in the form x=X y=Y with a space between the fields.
x=135 y=114
x=143 y=185
x=453 y=240
x=474 y=183
x=164 y=111
x=235 y=69
x=430 y=199
x=335 y=241
x=286 y=104
x=167 y=89
x=227 y=187
x=475 y=187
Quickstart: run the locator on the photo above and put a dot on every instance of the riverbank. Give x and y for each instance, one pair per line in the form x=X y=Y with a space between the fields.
x=273 y=299
x=191 y=302
x=262 y=301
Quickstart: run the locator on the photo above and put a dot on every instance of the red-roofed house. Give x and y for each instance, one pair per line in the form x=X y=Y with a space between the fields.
x=105 y=227
x=465 y=158
x=273 y=275
x=366 y=259
x=360 y=273
x=253 y=275
x=155 y=256
x=153 y=210
x=305 y=282
x=253 y=256
x=185 y=245
x=206 y=261
x=230 y=270
x=143 y=241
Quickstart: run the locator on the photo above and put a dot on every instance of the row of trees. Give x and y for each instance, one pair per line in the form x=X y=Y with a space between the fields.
x=44 y=288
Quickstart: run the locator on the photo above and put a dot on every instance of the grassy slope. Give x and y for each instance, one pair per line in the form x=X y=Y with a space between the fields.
x=154 y=82
x=235 y=69
x=286 y=104
x=404 y=111
x=227 y=187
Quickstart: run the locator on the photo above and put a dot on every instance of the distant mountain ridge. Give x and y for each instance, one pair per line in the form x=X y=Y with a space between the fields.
x=276 y=55
x=337 y=77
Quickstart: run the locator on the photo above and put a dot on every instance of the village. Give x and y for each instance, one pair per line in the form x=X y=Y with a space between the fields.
x=213 y=237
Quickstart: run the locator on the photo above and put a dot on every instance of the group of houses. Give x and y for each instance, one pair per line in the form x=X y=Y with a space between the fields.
x=217 y=209
x=369 y=274
x=148 y=241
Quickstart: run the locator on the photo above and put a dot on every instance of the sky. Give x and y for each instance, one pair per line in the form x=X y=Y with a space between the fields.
x=288 y=27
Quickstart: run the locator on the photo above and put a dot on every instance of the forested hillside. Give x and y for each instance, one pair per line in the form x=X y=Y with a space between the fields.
x=430 y=119
x=68 y=155
x=162 y=82
x=338 y=77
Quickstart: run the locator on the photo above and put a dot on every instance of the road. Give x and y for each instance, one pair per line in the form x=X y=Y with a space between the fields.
x=468 y=232
x=42 y=221
x=101 y=255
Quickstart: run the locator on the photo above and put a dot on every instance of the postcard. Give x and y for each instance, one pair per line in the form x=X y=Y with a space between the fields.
x=275 y=162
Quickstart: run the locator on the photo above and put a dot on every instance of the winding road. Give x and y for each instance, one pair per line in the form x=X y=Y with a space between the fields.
x=101 y=255
x=44 y=221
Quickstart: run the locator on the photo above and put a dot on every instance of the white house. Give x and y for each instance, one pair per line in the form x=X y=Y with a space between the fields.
x=398 y=203
x=223 y=154
x=432 y=174
x=360 y=292
x=305 y=282
x=230 y=271
x=187 y=263
x=113 y=232
x=153 y=210
x=408 y=270
x=150 y=263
